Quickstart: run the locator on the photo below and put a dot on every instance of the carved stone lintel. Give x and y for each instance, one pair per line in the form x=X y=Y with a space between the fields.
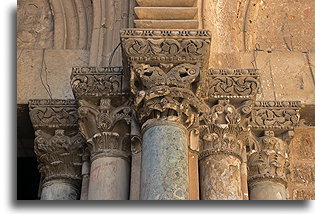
x=58 y=145
x=165 y=69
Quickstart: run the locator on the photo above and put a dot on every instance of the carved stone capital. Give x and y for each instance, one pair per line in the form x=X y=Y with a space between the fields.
x=58 y=145
x=268 y=157
x=104 y=110
x=222 y=129
x=166 y=68
x=272 y=124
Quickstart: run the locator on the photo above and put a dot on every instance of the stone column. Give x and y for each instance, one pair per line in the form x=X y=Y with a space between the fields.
x=229 y=93
x=105 y=117
x=136 y=147
x=58 y=147
x=193 y=169
x=86 y=166
x=165 y=68
x=272 y=124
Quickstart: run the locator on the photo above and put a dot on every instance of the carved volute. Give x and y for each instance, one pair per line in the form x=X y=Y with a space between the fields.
x=58 y=144
x=104 y=110
x=166 y=67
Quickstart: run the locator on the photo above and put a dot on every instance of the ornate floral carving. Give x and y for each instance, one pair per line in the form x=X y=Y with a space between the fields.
x=53 y=113
x=268 y=158
x=222 y=129
x=59 y=155
x=98 y=81
x=228 y=83
x=275 y=114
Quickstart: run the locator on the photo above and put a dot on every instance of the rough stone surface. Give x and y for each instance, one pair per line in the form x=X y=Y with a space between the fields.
x=59 y=191
x=109 y=179
x=267 y=190
x=50 y=69
x=135 y=177
x=220 y=178
x=164 y=169
x=302 y=176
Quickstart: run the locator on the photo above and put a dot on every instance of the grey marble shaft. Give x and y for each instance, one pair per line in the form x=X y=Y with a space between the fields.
x=59 y=190
x=164 y=162
x=109 y=179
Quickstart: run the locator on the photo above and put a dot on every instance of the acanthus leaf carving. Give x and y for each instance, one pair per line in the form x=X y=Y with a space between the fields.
x=59 y=155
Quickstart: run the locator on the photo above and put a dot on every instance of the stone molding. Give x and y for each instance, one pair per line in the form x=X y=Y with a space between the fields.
x=104 y=109
x=58 y=143
x=166 y=67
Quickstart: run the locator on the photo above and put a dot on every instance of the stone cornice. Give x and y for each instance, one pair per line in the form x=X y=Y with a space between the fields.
x=275 y=115
x=53 y=113
x=98 y=81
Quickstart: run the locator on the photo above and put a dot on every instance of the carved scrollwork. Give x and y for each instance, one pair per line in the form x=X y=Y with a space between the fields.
x=53 y=113
x=59 y=155
x=275 y=115
x=228 y=83
x=97 y=81
x=165 y=45
x=268 y=159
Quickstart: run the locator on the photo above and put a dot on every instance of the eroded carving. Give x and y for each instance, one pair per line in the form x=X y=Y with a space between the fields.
x=59 y=156
x=58 y=145
x=268 y=158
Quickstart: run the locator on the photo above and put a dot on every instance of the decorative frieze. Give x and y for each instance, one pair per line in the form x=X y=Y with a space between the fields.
x=58 y=145
x=275 y=115
x=230 y=84
x=166 y=67
x=98 y=81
